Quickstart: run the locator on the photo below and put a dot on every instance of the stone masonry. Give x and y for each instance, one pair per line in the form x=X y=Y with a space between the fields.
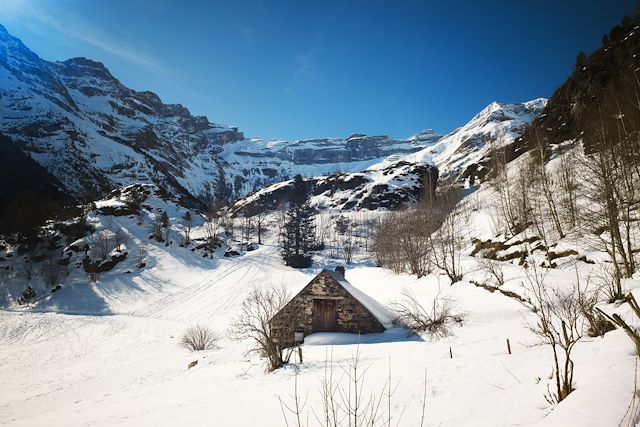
x=297 y=316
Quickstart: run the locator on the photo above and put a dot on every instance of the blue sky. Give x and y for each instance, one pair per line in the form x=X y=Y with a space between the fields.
x=304 y=69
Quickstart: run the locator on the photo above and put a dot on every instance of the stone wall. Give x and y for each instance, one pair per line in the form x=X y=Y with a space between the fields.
x=297 y=316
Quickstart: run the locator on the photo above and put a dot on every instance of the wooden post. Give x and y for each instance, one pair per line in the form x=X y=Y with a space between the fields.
x=508 y=346
x=450 y=353
x=300 y=353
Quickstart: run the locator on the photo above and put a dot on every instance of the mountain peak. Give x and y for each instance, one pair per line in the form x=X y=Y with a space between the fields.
x=84 y=66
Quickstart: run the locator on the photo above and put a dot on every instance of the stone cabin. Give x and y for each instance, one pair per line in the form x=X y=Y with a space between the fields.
x=329 y=303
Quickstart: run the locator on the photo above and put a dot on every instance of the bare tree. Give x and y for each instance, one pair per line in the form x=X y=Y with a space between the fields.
x=187 y=223
x=447 y=240
x=559 y=325
x=212 y=226
x=52 y=271
x=348 y=247
x=611 y=187
x=102 y=244
x=142 y=256
x=345 y=402
x=323 y=228
x=402 y=242
x=198 y=338
x=569 y=188
x=344 y=229
x=501 y=184
x=521 y=194
x=260 y=221
x=119 y=238
x=246 y=228
x=547 y=184
x=165 y=225
x=228 y=223
x=253 y=323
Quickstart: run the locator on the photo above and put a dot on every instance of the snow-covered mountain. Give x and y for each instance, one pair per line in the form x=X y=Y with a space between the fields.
x=94 y=134
x=398 y=180
x=381 y=187
x=263 y=162
x=458 y=154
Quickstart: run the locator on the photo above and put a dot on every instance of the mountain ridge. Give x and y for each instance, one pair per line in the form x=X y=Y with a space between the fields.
x=94 y=134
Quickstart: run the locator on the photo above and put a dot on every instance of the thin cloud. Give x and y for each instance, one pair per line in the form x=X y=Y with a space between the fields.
x=77 y=29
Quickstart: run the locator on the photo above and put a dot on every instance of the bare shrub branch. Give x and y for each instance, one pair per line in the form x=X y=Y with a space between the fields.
x=435 y=321
x=198 y=338
x=559 y=325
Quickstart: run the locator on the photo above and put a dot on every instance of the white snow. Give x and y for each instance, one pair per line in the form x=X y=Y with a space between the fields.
x=107 y=353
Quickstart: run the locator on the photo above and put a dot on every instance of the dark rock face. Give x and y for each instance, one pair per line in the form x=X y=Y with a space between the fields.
x=355 y=148
x=597 y=96
x=405 y=184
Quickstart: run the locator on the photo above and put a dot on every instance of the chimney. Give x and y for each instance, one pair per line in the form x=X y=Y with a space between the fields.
x=340 y=270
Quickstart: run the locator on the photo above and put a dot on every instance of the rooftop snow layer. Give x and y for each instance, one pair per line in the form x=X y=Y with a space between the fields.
x=378 y=310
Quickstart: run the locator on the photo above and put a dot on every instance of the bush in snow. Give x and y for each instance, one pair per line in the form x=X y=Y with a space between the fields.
x=198 y=338
x=435 y=321
x=27 y=295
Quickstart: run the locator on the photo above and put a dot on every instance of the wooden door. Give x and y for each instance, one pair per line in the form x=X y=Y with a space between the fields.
x=324 y=315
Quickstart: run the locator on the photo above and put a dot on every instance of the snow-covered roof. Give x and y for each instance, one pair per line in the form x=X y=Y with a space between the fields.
x=378 y=310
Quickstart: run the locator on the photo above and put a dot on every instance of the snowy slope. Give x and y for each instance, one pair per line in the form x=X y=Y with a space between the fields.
x=94 y=134
x=118 y=362
x=265 y=162
x=394 y=181
x=495 y=126
x=385 y=186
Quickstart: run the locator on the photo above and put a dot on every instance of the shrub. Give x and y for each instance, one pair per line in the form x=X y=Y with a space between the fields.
x=435 y=322
x=198 y=338
x=27 y=295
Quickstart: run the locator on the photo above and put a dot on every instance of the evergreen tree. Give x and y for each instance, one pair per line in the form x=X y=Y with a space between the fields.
x=163 y=224
x=298 y=232
x=187 y=222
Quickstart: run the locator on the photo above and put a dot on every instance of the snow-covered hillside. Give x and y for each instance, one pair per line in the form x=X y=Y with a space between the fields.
x=107 y=353
x=93 y=308
x=94 y=134
x=385 y=186
x=391 y=182
x=265 y=162
x=495 y=126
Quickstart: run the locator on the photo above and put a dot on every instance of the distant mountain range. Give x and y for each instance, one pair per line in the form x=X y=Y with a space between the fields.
x=93 y=134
